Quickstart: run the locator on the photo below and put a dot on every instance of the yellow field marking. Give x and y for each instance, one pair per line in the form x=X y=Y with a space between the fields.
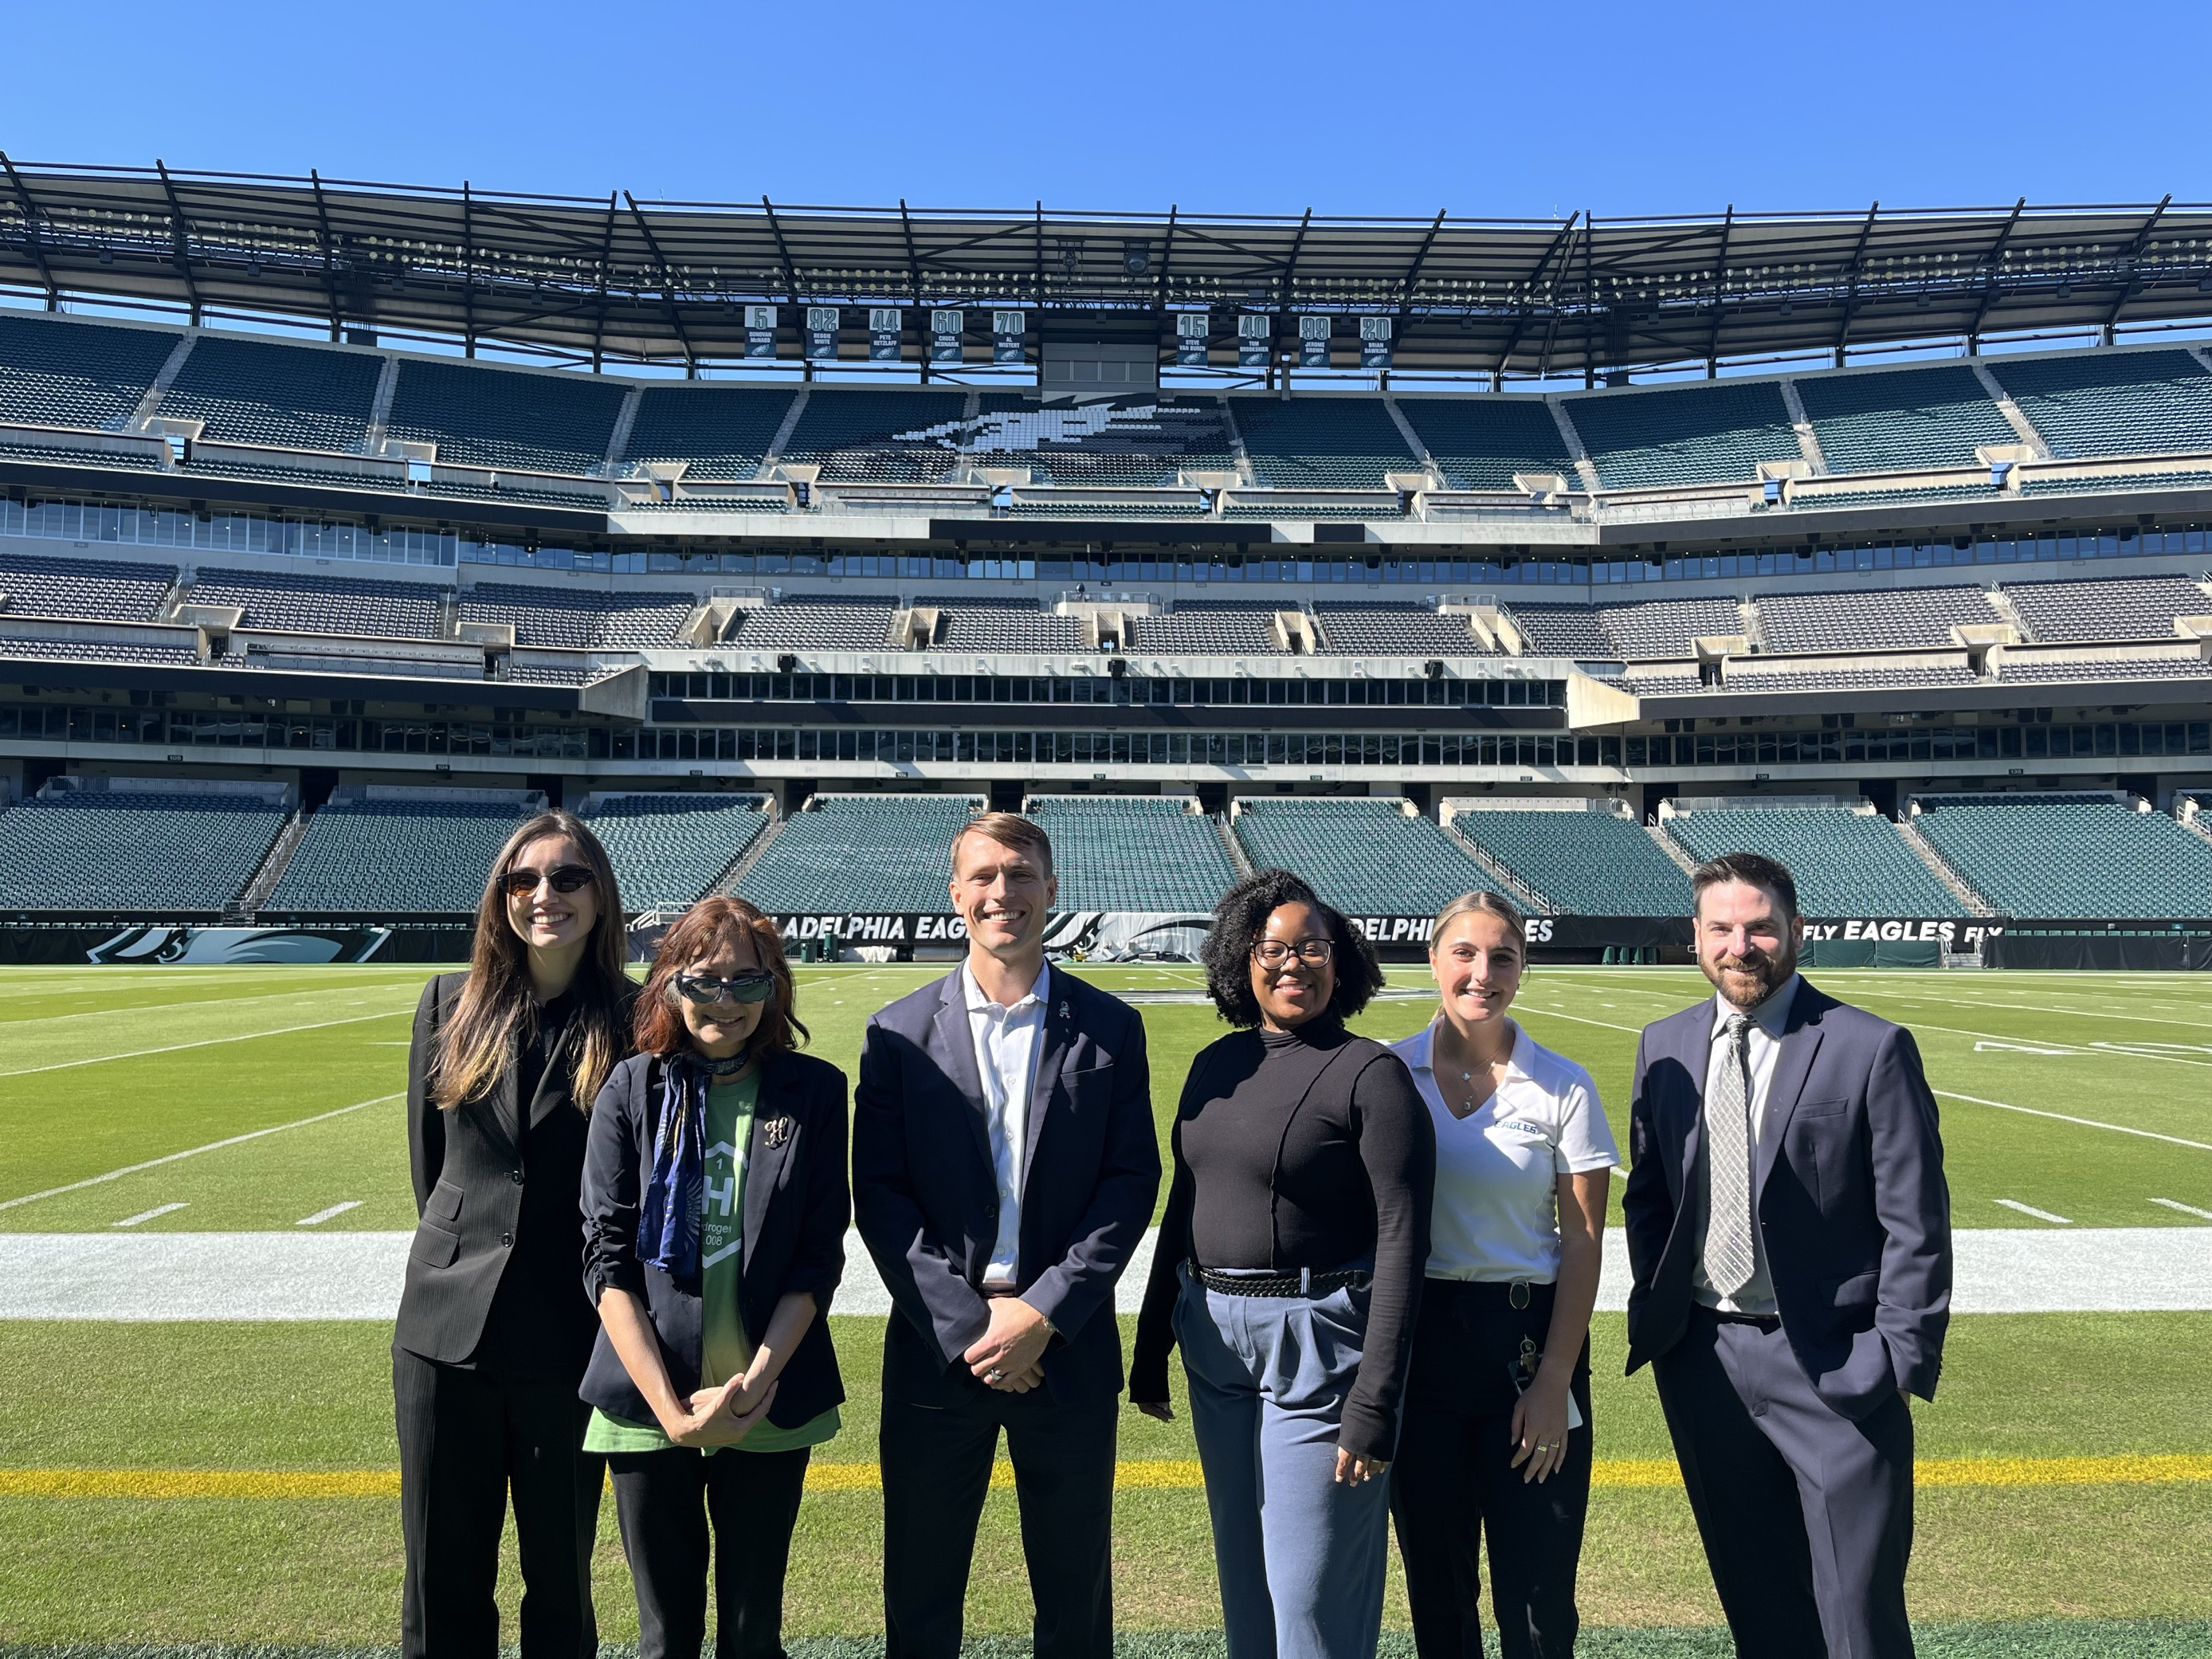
x=1155 y=1474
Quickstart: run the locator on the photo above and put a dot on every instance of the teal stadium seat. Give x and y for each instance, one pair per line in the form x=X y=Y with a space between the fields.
x=2113 y=403
x=2048 y=858
x=1845 y=863
x=285 y=397
x=878 y=437
x=1716 y=432
x=723 y=432
x=1479 y=443
x=1581 y=863
x=396 y=854
x=494 y=417
x=1321 y=443
x=79 y=374
x=873 y=854
x=1902 y=418
x=1366 y=855
x=1133 y=852
x=670 y=849
x=178 y=856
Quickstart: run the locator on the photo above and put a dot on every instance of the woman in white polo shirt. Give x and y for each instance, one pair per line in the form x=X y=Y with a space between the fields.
x=1497 y=1435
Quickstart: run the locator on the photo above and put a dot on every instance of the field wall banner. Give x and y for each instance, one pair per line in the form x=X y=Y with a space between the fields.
x=1097 y=935
x=210 y=947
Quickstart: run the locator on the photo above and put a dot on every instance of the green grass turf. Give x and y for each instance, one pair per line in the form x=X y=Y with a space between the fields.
x=2130 y=1051
x=326 y=1572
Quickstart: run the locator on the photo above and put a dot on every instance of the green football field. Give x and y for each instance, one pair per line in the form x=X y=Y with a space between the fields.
x=203 y=1484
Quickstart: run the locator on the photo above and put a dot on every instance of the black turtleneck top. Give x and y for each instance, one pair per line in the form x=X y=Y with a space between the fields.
x=1307 y=1148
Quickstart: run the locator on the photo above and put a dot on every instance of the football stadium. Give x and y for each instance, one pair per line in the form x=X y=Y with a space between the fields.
x=346 y=525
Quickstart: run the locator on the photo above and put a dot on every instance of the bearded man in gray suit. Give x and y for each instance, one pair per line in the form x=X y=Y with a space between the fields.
x=1789 y=1232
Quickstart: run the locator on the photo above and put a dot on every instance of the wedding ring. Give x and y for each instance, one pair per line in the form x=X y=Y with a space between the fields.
x=995 y=1377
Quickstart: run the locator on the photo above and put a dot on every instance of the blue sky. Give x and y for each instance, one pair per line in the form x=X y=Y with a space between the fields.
x=1484 y=109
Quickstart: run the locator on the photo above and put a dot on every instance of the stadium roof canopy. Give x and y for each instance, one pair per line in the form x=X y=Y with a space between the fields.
x=592 y=280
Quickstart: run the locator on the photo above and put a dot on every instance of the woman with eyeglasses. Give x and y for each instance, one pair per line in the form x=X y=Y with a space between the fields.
x=715 y=1203
x=1289 y=1271
x=494 y=1326
x=1497 y=1446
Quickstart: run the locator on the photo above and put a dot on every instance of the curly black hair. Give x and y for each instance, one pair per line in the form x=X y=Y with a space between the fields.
x=1239 y=919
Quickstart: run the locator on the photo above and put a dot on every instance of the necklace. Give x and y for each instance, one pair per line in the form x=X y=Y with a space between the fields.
x=1471 y=1102
x=727 y=1066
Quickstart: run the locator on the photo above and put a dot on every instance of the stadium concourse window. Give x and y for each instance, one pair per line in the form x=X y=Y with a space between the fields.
x=86 y=522
x=57 y=722
x=1135 y=691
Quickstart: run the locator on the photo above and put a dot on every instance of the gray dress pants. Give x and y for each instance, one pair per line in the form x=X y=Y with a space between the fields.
x=1300 y=1557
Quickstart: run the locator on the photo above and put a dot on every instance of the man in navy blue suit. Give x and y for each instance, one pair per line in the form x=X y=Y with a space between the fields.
x=1003 y=1168
x=1789 y=1231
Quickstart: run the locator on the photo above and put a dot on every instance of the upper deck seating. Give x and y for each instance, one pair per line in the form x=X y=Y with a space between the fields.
x=1871 y=619
x=985 y=624
x=70 y=373
x=497 y=417
x=89 y=588
x=1208 y=629
x=284 y=397
x=801 y=623
x=878 y=437
x=1321 y=443
x=1480 y=443
x=1351 y=631
x=1140 y=441
x=1897 y=419
x=2125 y=608
x=1709 y=432
x=579 y=619
x=282 y=602
x=723 y=432
x=2113 y=403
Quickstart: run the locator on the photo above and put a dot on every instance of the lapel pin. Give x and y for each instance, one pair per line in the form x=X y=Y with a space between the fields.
x=1063 y=1011
x=779 y=1131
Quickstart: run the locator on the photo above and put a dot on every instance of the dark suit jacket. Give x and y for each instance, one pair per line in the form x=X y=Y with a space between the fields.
x=471 y=1165
x=1851 y=1201
x=926 y=1195
x=797 y=1207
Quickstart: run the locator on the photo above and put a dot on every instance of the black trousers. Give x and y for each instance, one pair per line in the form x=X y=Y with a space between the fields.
x=468 y=1439
x=1806 y=1514
x=665 y=1500
x=936 y=1468
x=1452 y=1486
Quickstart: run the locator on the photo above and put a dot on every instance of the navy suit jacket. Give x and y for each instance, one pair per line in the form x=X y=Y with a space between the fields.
x=925 y=1193
x=1853 y=1208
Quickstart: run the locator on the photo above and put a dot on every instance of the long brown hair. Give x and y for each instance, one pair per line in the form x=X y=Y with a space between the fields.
x=701 y=930
x=495 y=1004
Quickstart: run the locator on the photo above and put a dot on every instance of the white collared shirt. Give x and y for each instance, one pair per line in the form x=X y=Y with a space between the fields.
x=1007 y=1049
x=1497 y=1215
x=1762 y=1049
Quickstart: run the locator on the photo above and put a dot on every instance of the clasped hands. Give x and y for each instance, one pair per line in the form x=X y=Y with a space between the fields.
x=1010 y=1354
x=724 y=1414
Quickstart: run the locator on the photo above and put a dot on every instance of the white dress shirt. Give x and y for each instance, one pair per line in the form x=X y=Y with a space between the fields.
x=1496 y=1211
x=1007 y=1049
x=1762 y=1048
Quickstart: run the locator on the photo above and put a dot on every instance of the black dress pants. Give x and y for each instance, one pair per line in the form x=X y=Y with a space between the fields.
x=468 y=1439
x=1806 y=1514
x=665 y=1500
x=1452 y=1486
x=937 y=1469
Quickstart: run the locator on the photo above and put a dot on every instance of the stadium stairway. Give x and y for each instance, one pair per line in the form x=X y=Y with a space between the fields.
x=248 y=903
x=1511 y=885
x=733 y=879
x=1238 y=856
x=1961 y=888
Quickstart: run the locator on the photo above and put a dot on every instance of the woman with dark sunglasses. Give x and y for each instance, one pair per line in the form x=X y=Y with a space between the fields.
x=715 y=1203
x=494 y=1327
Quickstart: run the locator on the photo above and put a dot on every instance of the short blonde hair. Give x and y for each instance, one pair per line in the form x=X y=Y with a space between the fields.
x=1496 y=904
x=1010 y=831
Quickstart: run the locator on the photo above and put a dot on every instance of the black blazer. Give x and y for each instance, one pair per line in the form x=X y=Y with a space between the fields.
x=926 y=1195
x=1850 y=1194
x=472 y=1166
x=798 y=1204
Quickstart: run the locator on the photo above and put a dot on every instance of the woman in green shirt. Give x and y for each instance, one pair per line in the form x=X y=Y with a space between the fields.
x=716 y=1204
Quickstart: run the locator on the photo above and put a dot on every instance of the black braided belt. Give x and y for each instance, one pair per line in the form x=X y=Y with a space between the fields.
x=1297 y=1284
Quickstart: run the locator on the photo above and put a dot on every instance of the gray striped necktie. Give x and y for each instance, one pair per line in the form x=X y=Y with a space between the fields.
x=1728 y=1255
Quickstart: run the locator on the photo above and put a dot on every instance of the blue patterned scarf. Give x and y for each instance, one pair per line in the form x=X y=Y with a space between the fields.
x=668 y=1210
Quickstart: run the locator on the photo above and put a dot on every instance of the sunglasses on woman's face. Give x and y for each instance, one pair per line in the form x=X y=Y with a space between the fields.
x=566 y=879
x=707 y=990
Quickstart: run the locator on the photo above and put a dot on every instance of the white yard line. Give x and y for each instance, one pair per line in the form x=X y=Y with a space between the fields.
x=2185 y=1209
x=2030 y=1209
x=192 y=1152
x=203 y=1042
x=147 y=1215
x=292 y=1275
x=112 y=1012
x=321 y=1216
x=2084 y=1123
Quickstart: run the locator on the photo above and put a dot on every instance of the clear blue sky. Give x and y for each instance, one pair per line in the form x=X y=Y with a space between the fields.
x=1523 y=110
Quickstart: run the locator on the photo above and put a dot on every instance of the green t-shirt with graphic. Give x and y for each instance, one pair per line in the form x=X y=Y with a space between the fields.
x=724 y=1351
